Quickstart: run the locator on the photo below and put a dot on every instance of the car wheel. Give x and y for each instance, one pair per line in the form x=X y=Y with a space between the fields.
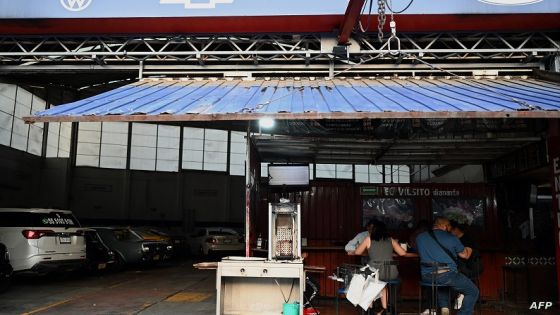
x=119 y=263
x=4 y=282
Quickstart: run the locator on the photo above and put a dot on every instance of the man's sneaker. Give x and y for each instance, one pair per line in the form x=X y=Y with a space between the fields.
x=444 y=311
x=459 y=301
x=427 y=312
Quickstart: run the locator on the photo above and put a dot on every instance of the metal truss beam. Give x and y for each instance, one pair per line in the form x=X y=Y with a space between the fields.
x=276 y=52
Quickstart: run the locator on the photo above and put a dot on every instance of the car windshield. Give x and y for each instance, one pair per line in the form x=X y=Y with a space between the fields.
x=147 y=233
x=222 y=233
x=125 y=235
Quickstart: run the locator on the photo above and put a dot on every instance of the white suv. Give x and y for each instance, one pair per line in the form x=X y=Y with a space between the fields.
x=41 y=240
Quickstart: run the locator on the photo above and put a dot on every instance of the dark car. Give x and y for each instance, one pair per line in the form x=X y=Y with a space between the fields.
x=99 y=256
x=130 y=247
x=5 y=268
x=176 y=238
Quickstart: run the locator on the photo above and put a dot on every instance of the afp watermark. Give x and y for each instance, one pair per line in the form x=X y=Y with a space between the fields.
x=541 y=305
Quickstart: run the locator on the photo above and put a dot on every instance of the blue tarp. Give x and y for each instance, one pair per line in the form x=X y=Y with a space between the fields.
x=338 y=98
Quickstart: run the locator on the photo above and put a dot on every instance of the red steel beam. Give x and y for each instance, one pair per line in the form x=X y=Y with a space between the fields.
x=350 y=19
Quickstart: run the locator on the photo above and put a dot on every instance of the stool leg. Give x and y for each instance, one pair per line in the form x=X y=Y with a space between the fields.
x=395 y=301
x=336 y=303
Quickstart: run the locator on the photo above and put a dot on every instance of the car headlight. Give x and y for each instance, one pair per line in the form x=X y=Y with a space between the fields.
x=145 y=248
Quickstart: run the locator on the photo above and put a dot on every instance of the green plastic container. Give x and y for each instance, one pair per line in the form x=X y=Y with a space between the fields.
x=290 y=309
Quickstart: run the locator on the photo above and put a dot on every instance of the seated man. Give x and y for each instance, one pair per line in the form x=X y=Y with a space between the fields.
x=440 y=246
x=351 y=246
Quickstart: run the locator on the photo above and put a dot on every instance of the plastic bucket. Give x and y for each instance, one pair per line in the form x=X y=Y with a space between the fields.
x=290 y=309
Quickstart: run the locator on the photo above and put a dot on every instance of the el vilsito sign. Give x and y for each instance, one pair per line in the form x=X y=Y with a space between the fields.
x=406 y=191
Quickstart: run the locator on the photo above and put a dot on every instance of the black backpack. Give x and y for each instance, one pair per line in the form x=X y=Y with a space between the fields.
x=471 y=267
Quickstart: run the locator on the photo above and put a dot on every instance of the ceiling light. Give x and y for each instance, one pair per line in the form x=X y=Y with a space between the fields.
x=266 y=122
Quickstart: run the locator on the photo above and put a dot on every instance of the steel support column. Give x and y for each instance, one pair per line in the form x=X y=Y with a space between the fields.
x=350 y=19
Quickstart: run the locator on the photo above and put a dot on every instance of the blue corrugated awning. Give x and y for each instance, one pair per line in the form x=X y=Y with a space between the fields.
x=204 y=100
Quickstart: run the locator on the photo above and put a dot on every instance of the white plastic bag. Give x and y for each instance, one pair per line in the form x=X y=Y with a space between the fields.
x=355 y=289
x=372 y=291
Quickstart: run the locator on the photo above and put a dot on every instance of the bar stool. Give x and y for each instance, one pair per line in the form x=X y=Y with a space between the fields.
x=391 y=284
x=346 y=271
x=433 y=285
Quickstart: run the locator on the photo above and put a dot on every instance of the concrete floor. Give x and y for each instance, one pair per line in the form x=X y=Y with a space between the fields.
x=174 y=288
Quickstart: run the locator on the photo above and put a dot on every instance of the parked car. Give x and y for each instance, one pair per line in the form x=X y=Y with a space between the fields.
x=176 y=238
x=98 y=255
x=42 y=240
x=5 y=268
x=150 y=235
x=210 y=240
x=130 y=247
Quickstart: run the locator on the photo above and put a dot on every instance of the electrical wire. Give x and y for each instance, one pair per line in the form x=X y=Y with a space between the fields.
x=368 y=24
x=291 y=290
x=401 y=11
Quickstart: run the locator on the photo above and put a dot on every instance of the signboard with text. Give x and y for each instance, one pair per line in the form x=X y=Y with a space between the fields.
x=32 y=9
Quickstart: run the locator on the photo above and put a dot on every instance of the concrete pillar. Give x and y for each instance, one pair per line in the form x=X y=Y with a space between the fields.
x=554 y=158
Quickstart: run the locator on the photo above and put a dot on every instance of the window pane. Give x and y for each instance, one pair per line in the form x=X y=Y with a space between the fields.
x=404 y=174
x=5 y=128
x=264 y=169
x=7 y=98
x=362 y=173
x=38 y=104
x=389 y=171
x=64 y=140
x=89 y=144
x=20 y=134
x=215 y=150
x=168 y=148
x=143 y=149
x=52 y=139
x=114 y=140
x=238 y=153
x=375 y=174
x=344 y=171
x=193 y=146
x=23 y=104
x=325 y=171
x=35 y=144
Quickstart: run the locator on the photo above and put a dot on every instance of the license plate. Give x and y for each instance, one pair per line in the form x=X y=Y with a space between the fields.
x=156 y=257
x=101 y=266
x=65 y=240
x=227 y=241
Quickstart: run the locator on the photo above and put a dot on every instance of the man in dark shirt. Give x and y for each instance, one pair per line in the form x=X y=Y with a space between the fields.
x=471 y=267
x=431 y=246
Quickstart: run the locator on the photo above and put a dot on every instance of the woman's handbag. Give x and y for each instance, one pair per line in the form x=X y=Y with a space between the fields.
x=372 y=290
x=355 y=289
x=363 y=290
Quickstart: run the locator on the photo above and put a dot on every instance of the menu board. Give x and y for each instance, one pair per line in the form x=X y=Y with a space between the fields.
x=469 y=212
x=396 y=213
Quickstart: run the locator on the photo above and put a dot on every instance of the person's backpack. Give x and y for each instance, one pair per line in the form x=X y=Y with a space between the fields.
x=471 y=267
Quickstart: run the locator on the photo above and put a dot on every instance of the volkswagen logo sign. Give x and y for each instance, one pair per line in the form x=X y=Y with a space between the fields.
x=510 y=2
x=75 y=5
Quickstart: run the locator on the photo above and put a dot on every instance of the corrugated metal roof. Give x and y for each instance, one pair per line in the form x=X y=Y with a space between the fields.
x=175 y=100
